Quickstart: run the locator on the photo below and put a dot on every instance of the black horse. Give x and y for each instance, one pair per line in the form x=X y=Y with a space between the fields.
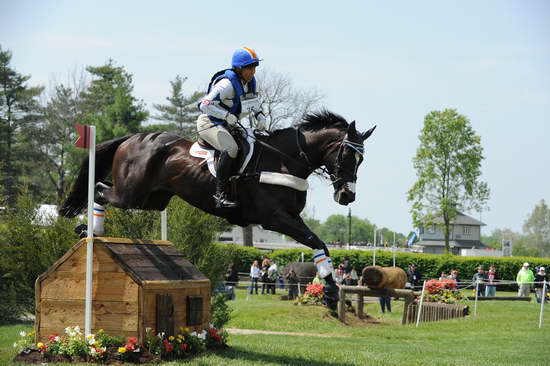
x=147 y=169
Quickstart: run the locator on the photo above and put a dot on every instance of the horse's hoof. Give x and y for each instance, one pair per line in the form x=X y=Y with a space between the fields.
x=99 y=198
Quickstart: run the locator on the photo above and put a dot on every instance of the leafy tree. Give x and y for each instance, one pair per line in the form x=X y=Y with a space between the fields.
x=537 y=227
x=109 y=102
x=181 y=113
x=19 y=111
x=448 y=166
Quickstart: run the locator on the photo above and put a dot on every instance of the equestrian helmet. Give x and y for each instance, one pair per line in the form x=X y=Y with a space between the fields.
x=244 y=56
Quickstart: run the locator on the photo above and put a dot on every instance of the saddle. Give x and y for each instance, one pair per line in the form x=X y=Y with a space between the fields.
x=210 y=156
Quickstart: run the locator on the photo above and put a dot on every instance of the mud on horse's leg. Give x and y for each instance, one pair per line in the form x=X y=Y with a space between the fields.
x=298 y=230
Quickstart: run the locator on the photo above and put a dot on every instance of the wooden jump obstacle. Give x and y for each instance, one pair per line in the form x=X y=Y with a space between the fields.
x=432 y=312
x=137 y=284
x=362 y=291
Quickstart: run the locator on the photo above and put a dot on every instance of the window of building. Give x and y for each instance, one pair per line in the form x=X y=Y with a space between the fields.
x=431 y=229
x=466 y=230
x=194 y=310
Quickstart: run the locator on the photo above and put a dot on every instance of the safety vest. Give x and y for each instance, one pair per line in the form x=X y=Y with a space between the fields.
x=237 y=86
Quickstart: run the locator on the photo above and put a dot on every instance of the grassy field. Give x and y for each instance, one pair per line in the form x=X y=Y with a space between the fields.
x=503 y=333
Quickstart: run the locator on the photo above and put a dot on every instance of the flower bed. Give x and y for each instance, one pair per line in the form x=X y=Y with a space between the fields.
x=102 y=348
x=442 y=291
x=313 y=295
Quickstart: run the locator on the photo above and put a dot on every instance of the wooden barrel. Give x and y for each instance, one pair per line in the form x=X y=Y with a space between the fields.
x=384 y=277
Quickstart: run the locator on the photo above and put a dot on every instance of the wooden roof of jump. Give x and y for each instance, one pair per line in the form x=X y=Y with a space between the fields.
x=146 y=261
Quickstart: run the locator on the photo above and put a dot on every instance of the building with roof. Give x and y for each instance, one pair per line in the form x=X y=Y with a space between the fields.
x=465 y=233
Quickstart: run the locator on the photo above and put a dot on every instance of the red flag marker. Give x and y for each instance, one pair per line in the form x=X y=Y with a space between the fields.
x=83 y=140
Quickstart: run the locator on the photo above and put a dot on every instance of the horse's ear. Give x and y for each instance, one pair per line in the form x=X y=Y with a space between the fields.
x=352 y=131
x=368 y=133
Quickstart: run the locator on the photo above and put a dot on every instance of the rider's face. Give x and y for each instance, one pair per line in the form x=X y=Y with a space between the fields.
x=247 y=73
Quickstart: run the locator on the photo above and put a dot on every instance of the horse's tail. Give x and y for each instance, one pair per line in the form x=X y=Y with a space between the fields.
x=78 y=198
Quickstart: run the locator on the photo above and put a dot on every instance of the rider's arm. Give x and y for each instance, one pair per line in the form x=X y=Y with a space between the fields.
x=210 y=104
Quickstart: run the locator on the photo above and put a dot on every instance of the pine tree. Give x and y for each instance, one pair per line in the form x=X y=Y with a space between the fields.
x=19 y=113
x=182 y=112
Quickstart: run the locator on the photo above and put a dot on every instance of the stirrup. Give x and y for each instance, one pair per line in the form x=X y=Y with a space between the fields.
x=223 y=201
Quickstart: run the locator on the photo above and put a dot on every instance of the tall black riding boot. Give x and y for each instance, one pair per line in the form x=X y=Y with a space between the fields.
x=223 y=173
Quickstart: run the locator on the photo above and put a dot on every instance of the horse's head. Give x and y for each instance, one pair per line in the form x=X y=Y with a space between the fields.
x=349 y=154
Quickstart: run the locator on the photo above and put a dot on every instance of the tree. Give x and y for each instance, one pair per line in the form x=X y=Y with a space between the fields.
x=182 y=112
x=537 y=228
x=110 y=105
x=19 y=110
x=282 y=103
x=448 y=167
x=58 y=156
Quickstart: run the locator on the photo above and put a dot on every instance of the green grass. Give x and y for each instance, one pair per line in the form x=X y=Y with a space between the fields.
x=503 y=333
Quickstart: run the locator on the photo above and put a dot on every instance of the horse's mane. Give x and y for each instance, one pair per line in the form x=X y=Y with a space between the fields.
x=316 y=121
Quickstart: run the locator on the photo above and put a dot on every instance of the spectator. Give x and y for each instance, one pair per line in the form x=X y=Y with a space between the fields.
x=443 y=276
x=264 y=278
x=347 y=265
x=491 y=288
x=479 y=279
x=339 y=274
x=454 y=275
x=254 y=276
x=385 y=303
x=351 y=278
x=540 y=277
x=524 y=279
x=266 y=262
x=292 y=281
x=272 y=274
x=413 y=276
x=232 y=275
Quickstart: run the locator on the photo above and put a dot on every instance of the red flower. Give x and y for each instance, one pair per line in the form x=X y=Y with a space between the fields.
x=169 y=347
x=184 y=346
x=132 y=340
x=165 y=341
x=129 y=346
x=51 y=337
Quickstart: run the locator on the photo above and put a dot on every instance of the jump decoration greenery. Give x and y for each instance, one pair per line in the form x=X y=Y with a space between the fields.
x=443 y=291
x=312 y=296
x=73 y=346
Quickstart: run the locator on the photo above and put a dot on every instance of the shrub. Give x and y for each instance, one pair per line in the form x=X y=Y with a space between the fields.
x=221 y=311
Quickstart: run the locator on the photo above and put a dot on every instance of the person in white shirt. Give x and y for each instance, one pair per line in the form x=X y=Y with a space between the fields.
x=254 y=277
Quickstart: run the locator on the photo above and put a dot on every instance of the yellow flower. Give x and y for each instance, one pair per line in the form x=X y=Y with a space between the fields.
x=40 y=345
x=100 y=331
x=31 y=333
x=121 y=349
x=171 y=338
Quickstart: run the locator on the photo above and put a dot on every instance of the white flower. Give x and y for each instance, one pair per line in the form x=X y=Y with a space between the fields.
x=211 y=325
x=22 y=334
x=194 y=334
x=137 y=349
x=90 y=339
x=92 y=351
x=147 y=330
x=202 y=335
x=15 y=345
x=77 y=330
x=57 y=339
x=161 y=335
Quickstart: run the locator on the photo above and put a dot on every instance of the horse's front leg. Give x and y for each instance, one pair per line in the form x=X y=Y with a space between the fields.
x=295 y=227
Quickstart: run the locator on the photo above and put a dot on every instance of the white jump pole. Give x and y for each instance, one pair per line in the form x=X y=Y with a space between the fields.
x=475 y=304
x=421 y=302
x=90 y=238
x=542 y=300
x=163 y=225
x=374 y=250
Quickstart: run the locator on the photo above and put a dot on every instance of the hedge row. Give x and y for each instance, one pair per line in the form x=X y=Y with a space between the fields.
x=429 y=265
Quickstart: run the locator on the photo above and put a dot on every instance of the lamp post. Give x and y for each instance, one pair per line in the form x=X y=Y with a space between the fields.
x=349 y=228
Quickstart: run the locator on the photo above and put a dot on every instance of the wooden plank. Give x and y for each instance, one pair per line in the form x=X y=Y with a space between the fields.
x=102 y=262
x=183 y=284
x=141 y=329
x=165 y=315
x=106 y=315
x=106 y=286
x=131 y=241
x=45 y=332
x=61 y=260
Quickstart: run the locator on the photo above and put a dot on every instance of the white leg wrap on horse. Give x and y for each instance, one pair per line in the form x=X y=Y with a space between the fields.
x=323 y=263
x=99 y=219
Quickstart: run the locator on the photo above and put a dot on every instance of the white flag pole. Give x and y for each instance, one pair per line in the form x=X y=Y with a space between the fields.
x=90 y=238
x=542 y=300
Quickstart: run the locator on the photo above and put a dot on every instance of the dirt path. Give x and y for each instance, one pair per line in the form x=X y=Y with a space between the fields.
x=254 y=331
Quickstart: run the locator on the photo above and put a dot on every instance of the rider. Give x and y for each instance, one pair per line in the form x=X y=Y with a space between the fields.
x=231 y=96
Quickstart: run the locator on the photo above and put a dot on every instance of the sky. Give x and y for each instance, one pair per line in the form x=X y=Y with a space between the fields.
x=384 y=63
